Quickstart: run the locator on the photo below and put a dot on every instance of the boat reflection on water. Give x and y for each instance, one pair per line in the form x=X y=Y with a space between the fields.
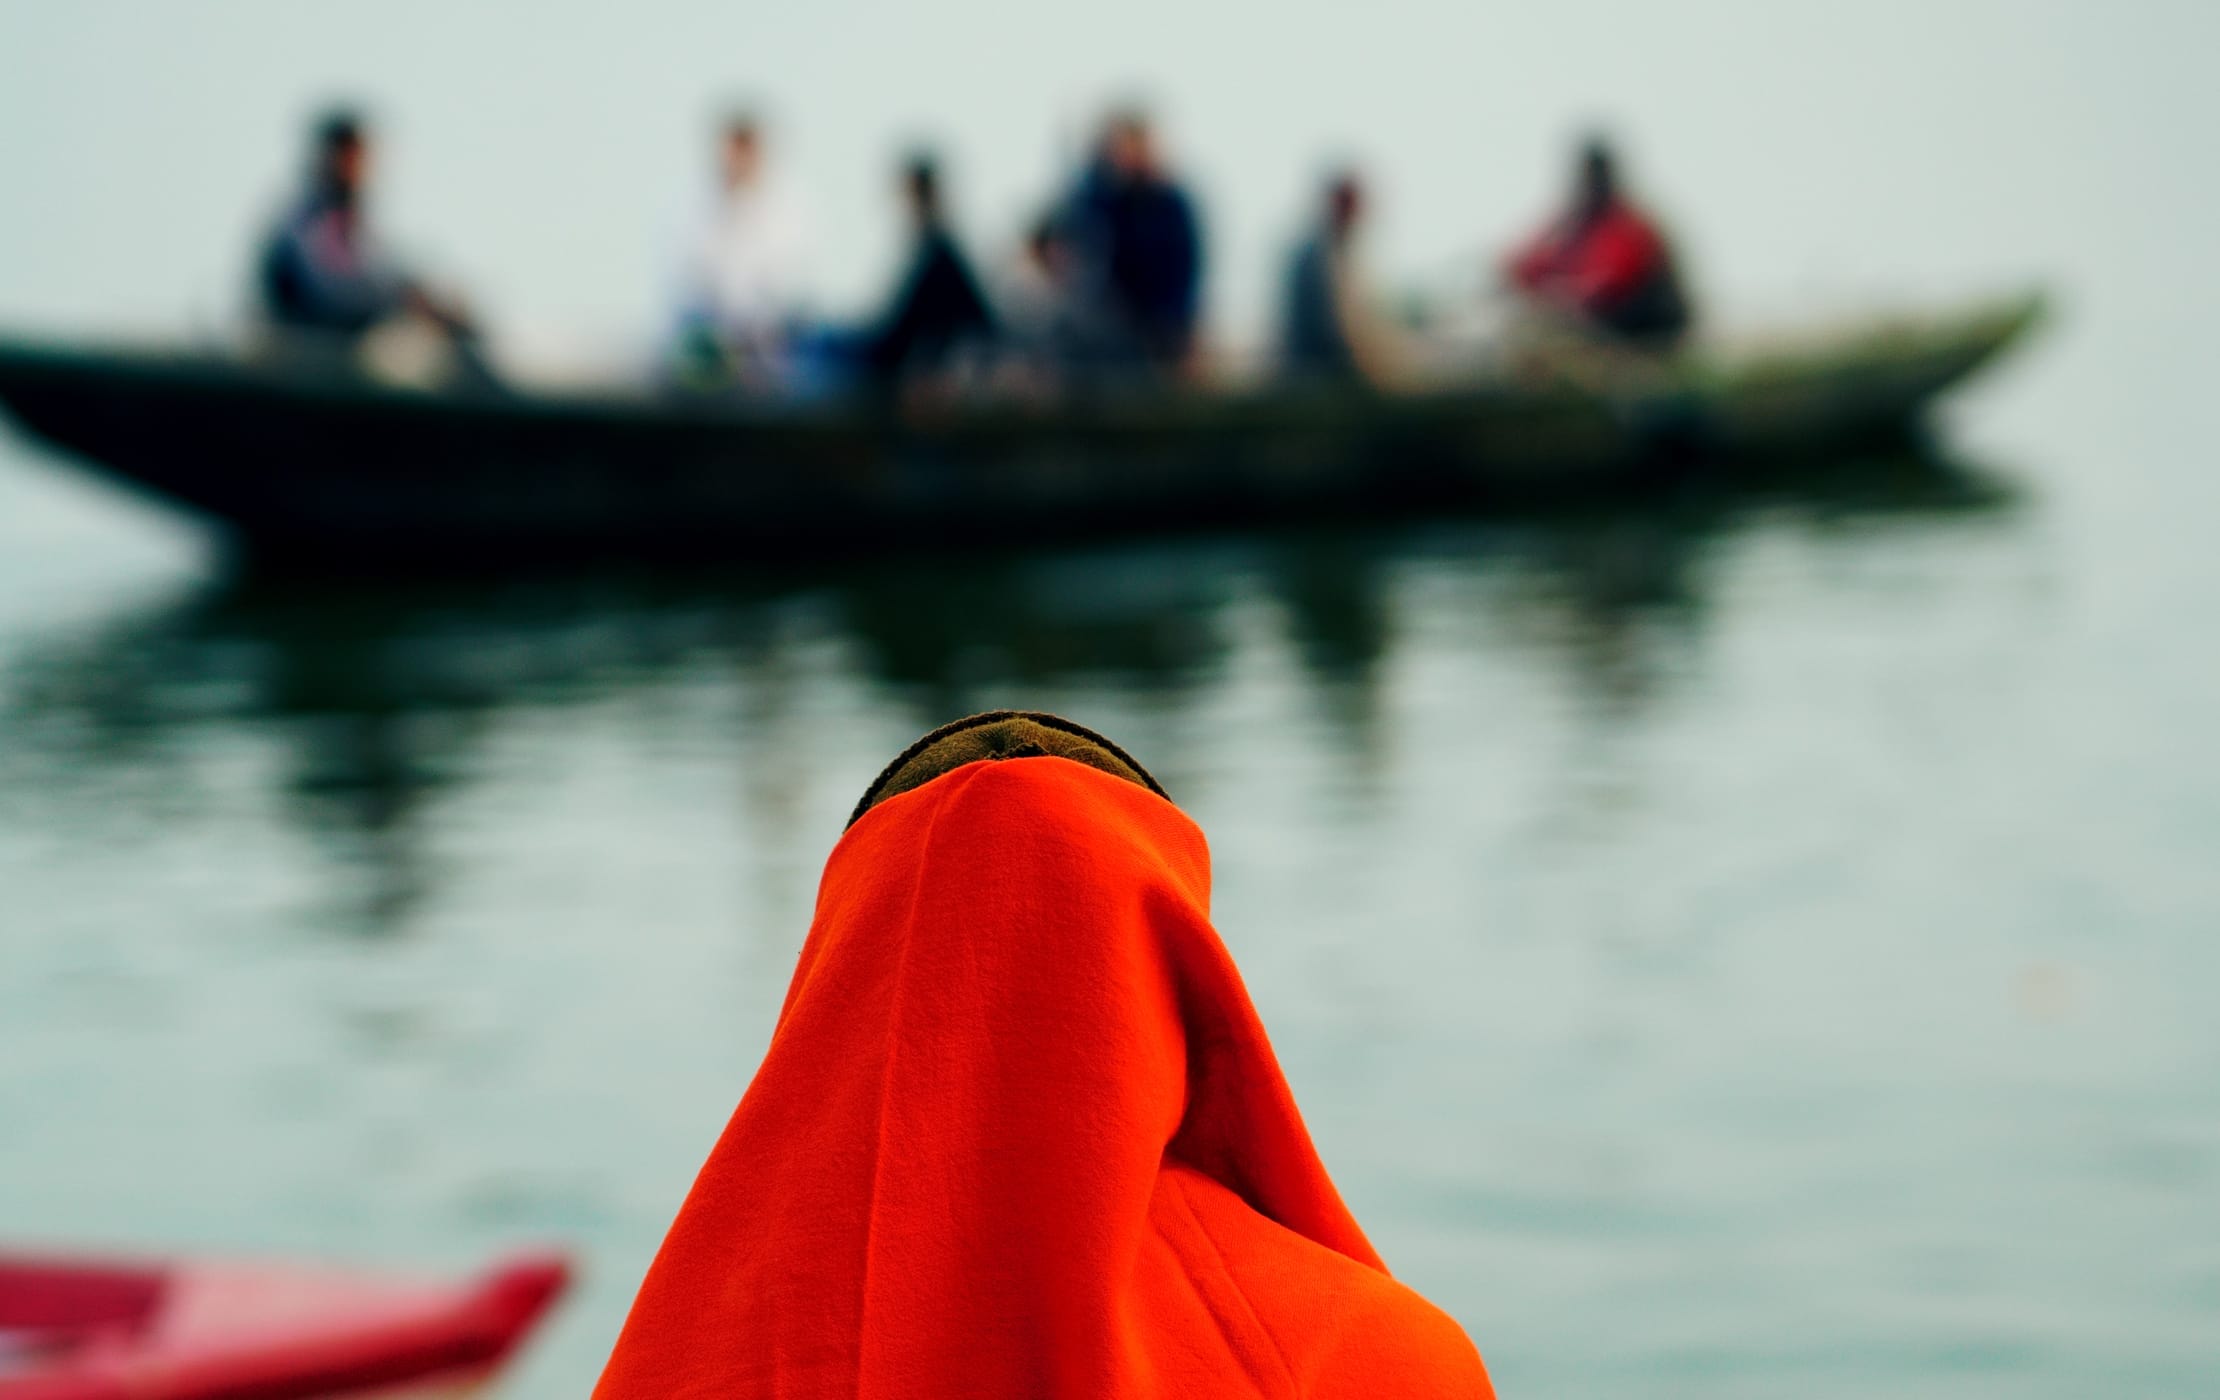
x=383 y=700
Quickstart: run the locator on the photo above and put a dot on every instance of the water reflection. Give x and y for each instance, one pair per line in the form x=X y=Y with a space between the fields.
x=377 y=703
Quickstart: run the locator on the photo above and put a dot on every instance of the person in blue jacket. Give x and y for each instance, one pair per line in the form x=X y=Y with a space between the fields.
x=1141 y=242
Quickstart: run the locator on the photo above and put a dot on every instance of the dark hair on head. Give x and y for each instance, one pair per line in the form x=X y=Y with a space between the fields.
x=338 y=128
x=742 y=124
x=1597 y=153
x=1128 y=117
x=921 y=177
x=996 y=735
x=1344 y=199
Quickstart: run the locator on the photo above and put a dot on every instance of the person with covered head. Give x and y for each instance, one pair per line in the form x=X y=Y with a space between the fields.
x=1019 y=1132
x=1604 y=262
x=1135 y=228
x=1330 y=331
x=322 y=274
x=938 y=314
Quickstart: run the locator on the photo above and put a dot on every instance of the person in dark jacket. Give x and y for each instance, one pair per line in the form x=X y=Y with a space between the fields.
x=322 y=272
x=939 y=312
x=1605 y=261
x=1141 y=240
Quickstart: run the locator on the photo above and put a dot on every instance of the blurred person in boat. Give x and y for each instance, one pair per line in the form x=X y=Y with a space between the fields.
x=1331 y=329
x=1019 y=1132
x=938 y=319
x=1053 y=330
x=1603 y=263
x=741 y=270
x=323 y=277
x=1140 y=246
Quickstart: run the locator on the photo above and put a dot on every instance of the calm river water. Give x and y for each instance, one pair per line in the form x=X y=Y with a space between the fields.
x=1758 y=946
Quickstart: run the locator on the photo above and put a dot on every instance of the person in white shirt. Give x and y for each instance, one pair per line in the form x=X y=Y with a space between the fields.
x=742 y=269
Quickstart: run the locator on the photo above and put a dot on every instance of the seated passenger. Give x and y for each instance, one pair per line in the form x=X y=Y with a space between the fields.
x=1019 y=1134
x=321 y=271
x=939 y=312
x=1330 y=332
x=1040 y=297
x=741 y=269
x=1053 y=330
x=1140 y=245
x=1605 y=263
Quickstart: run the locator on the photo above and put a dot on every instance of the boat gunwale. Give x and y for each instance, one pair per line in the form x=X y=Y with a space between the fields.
x=1974 y=334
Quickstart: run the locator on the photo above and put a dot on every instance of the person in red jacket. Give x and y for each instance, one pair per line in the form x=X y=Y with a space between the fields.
x=1019 y=1134
x=1604 y=262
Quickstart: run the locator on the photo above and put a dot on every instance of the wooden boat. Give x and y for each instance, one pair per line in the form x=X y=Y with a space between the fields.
x=77 y=1330
x=307 y=462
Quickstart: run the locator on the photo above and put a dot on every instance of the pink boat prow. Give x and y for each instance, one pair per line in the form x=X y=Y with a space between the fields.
x=72 y=1330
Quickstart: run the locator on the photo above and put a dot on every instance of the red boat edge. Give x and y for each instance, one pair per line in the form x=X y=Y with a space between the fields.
x=92 y=1330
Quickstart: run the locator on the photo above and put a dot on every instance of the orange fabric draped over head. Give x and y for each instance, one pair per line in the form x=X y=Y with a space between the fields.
x=1019 y=1134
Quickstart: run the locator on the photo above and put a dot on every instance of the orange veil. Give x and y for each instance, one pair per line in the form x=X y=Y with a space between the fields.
x=1019 y=1134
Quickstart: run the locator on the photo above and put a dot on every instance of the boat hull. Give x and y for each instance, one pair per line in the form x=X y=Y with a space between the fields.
x=311 y=465
x=99 y=1330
